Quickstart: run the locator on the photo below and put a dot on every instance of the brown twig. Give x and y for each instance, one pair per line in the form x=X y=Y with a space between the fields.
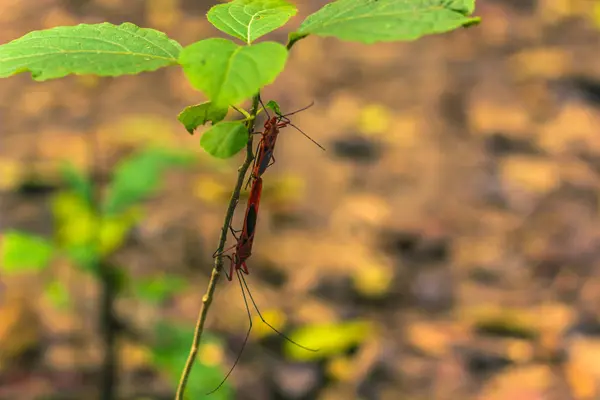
x=216 y=272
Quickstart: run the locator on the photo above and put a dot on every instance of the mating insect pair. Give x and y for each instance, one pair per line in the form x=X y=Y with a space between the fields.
x=242 y=250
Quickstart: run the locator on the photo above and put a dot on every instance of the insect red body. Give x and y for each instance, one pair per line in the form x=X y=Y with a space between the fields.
x=243 y=247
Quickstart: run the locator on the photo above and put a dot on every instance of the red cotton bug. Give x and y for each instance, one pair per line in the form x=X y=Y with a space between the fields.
x=264 y=152
x=243 y=247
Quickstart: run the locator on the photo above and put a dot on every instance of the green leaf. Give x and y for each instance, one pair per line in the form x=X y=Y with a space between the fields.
x=370 y=21
x=58 y=294
x=22 y=252
x=99 y=49
x=225 y=139
x=273 y=105
x=158 y=289
x=228 y=73
x=115 y=228
x=250 y=19
x=78 y=183
x=85 y=256
x=193 y=116
x=138 y=177
x=329 y=339
x=76 y=222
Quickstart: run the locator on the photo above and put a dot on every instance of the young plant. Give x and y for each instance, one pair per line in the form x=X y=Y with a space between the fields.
x=88 y=231
x=226 y=72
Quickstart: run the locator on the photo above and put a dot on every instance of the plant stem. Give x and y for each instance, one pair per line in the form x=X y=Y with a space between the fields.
x=108 y=291
x=109 y=332
x=218 y=266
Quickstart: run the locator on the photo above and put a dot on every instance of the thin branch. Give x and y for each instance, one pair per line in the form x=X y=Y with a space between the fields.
x=216 y=272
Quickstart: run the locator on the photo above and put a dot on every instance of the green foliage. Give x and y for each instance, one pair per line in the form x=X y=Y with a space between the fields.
x=171 y=352
x=78 y=183
x=370 y=21
x=138 y=177
x=273 y=105
x=193 y=116
x=21 y=252
x=157 y=290
x=250 y=19
x=329 y=339
x=228 y=73
x=85 y=236
x=58 y=294
x=225 y=139
x=224 y=71
x=99 y=49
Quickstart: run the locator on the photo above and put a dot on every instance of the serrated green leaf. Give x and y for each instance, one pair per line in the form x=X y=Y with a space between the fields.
x=370 y=21
x=227 y=73
x=328 y=339
x=250 y=19
x=225 y=139
x=98 y=49
x=58 y=294
x=22 y=252
x=158 y=289
x=273 y=105
x=78 y=183
x=138 y=177
x=193 y=116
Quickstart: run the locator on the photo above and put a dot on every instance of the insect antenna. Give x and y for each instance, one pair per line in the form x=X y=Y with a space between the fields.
x=237 y=359
x=288 y=122
x=312 y=103
x=264 y=107
x=283 y=335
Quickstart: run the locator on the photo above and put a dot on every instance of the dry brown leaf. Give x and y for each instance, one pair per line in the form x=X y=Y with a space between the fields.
x=479 y=251
x=581 y=382
x=20 y=328
x=583 y=368
x=556 y=319
x=537 y=175
x=575 y=125
x=487 y=117
x=523 y=383
x=544 y=62
x=430 y=338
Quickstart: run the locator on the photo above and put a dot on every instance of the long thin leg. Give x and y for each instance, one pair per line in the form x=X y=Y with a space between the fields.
x=241 y=277
x=245 y=339
x=231 y=267
x=233 y=232
x=217 y=254
x=244 y=268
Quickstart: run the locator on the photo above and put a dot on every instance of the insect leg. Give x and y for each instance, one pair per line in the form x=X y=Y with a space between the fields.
x=242 y=279
x=245 y=339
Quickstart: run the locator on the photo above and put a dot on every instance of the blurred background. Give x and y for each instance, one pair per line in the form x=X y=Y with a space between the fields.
x=445 y=246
